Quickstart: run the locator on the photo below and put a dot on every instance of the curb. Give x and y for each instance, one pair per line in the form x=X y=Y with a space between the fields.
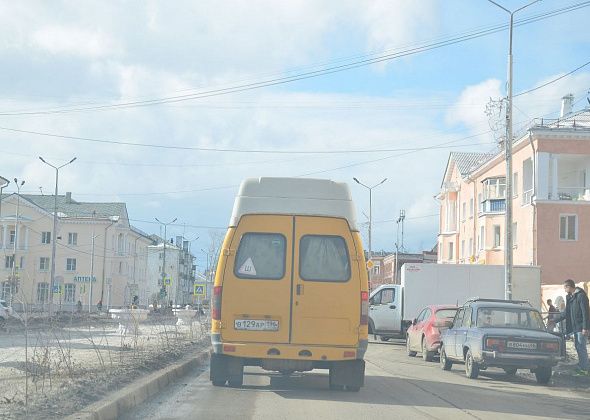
x=139 y=391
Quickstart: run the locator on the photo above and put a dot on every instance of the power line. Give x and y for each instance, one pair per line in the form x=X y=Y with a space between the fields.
x=205 y=149
x=552 y=81
x=315 y=73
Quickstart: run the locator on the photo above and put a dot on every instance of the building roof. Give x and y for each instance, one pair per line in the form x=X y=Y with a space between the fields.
x=469 y=162
x=71 y=208
x=579 y=120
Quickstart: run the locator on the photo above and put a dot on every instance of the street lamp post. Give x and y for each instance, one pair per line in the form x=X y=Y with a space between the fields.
x=3 y=183
x=13 y=279
x=508 y=255
x=54 y=238
x=370 y=215
x=165 y=245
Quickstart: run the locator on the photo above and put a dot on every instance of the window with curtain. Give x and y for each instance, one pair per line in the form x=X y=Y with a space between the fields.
x=261 y=256
x=323 y=258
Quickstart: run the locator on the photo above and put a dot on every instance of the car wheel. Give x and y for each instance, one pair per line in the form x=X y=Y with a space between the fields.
x=428 y=356
x=543 y=374
x=411 y=353
x=510 y=371
x=471 y=366
x=445 y=363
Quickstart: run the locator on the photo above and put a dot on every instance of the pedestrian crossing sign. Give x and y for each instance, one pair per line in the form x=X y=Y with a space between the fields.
x=167 y=281
x=199 y=290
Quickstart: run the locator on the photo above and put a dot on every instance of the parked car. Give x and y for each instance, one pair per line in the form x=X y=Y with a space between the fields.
x=424 y=333
x=500 y=333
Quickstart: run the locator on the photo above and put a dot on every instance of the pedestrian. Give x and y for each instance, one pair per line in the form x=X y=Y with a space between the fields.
x=99 y=306
x=552 y=314
x=79 y=306
x=577 y=322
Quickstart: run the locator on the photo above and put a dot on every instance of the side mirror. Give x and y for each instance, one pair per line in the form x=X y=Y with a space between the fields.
x=371 y=301
x=414 y=321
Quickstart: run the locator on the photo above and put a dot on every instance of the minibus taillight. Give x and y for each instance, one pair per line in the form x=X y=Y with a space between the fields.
x=216 y=304
x=364 y=308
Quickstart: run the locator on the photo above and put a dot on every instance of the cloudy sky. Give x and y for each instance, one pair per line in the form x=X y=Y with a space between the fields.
x=398 y=85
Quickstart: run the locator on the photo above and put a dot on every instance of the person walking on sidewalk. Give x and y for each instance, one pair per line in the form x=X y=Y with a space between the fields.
x=577 y=322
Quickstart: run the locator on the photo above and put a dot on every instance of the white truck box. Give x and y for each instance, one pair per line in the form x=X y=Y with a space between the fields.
x=392 y=307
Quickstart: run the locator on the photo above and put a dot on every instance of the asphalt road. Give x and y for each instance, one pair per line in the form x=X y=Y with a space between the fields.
x=396 y=386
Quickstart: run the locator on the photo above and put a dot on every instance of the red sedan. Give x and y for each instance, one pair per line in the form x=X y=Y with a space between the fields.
x=424 y=333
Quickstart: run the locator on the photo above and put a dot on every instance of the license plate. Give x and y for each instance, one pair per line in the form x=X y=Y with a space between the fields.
x=521 y=345
x=256 y=324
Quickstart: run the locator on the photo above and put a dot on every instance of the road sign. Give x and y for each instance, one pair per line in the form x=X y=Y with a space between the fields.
x=167 y=281
x=370 y=264
x=200 y=290
x=57 y=289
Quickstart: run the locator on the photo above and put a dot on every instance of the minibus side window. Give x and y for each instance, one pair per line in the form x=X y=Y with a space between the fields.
x=261 y=256
x=323 y=258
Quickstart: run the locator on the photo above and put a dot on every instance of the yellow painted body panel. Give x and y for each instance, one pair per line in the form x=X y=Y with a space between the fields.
x=321 y=317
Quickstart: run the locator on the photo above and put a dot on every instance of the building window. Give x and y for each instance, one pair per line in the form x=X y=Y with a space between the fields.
x=494 y=188
x=497 y=238
x=8 y=261
x=42 y=292
x=470 y=251
x=5 y=290
x=45 y=237
x=72 y=238
x=451 y=249
x=464 y=211
x=482 y=238
x=12 y=236
x=44 y=263
x=69 y=292
x=71 y=264
x=463 y=248
x=515 y=184
x=568 y=227
x=514 y=233
x=22 y=263
x=120 y=267
x=471 y=207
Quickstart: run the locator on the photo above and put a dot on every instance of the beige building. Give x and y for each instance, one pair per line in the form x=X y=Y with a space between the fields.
x=112 y=270
x=551 y=201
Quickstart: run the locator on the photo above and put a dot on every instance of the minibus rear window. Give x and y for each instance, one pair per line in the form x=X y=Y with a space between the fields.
x=323 y=258
x=261 y=256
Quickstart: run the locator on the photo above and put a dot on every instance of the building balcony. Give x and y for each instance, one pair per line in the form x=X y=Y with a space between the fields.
x=493 y=206
x=571 y=194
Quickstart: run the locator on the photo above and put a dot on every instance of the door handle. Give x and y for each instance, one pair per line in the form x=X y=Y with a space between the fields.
x=299 y=289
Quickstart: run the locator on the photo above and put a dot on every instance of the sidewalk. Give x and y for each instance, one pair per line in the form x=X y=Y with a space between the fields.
x=55 y=370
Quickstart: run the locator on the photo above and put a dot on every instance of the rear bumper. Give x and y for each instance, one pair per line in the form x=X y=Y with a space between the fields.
x=494 y=358
x=289 y=351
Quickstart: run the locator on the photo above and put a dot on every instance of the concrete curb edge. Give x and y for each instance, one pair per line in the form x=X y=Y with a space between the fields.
x=138 y=391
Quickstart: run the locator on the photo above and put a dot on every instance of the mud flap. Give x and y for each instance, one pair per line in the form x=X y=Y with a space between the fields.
x=218 y=369
x=349 y=374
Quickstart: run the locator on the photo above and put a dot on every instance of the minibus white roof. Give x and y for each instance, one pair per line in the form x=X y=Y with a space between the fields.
x=294 y=196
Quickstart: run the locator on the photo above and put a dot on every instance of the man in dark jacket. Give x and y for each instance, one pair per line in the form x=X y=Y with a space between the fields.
x=577 y=322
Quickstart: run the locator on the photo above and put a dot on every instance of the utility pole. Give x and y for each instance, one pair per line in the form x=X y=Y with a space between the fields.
x=14 y=266
x=370 y=216
x=54 y=234
x=165 y=246
x=400 y=220
x=508 y=254
x=3 y=183
x=114 y=219
x=91 y=265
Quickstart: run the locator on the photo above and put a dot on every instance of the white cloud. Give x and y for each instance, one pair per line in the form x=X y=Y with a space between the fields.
x=399 y=22
x=469 y=109
x=57 y=39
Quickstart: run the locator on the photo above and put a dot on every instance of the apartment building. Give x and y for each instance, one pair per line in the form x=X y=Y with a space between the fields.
x=99 y=255
x=551 y=201
x=177 y=286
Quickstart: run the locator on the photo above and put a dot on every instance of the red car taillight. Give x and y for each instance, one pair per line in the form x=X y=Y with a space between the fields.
x=552 y=346
x=497 y=344
x=364 y=308
x=216 y=303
